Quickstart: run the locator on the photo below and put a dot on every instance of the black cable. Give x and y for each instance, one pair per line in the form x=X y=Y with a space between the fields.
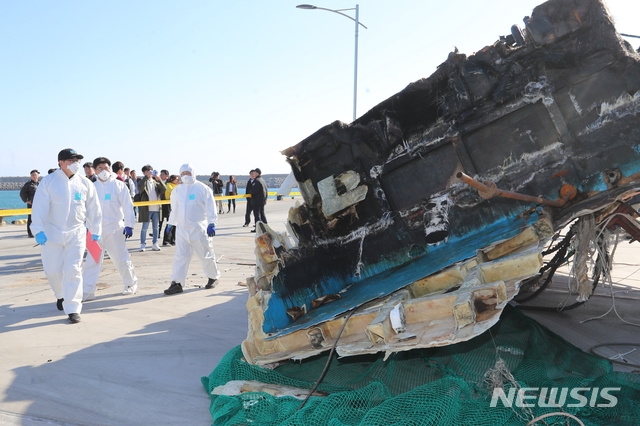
x=554 y=248
x=326 y=366
x=555 y=263
x=597 y=273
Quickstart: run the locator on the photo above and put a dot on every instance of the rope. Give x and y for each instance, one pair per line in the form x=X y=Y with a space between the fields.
x=597 y=274
x=496 y=376
x=602 y=264
x=617 y=357
x=607 y=271
x=559 y=413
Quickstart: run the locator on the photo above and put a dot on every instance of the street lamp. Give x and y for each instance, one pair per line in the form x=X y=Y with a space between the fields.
x=355 y=66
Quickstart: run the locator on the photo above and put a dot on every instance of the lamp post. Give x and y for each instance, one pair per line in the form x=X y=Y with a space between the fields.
x=355 y=62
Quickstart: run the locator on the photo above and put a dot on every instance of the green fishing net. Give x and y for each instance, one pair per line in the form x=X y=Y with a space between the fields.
x=451 y=385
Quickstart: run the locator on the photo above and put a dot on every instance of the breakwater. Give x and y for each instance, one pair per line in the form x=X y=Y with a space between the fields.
x=11 y=186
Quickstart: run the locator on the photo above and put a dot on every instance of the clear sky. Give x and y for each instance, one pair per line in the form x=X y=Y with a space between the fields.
x=224 y=85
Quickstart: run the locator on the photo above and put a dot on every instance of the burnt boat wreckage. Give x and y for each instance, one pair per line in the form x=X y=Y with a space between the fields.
x=423 y=218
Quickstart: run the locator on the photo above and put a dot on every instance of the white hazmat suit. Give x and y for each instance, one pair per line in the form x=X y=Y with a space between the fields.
x=64 y=208
x=192 y=209
x=117 y=212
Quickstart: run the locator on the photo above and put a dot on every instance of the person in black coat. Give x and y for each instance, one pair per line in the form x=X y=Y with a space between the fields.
x=27 y=193
x=218 y=185
x=247 y=214
x=259 y=194
x=231 y=189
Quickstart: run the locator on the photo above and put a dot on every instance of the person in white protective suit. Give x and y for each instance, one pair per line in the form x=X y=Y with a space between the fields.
x=117 y=225
x=64 y=207
x=193 y=212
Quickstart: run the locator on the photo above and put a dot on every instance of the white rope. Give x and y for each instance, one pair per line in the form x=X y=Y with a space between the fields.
x=496 y=376
x=559 y=413
x=606 y=271
x=621 y=356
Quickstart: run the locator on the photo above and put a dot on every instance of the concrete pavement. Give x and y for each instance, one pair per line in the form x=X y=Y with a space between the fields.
x=133 y=360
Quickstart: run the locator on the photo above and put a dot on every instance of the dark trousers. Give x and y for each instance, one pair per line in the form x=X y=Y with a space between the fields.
x=29 y=226
x=169 y=237
x=166 y=211
x=247 y=214
x=232 y=201
x=258 y=213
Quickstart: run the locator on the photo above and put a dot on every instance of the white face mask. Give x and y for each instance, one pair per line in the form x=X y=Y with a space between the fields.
x=186 y=179
x=74 y=167
x=104 y=175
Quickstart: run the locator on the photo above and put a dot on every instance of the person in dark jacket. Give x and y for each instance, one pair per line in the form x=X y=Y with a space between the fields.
x=89 y=171
x=231 y=189
x=150 y=188
x=247 y=190
x=218 y=186
x=27 y=193
x=259 y=196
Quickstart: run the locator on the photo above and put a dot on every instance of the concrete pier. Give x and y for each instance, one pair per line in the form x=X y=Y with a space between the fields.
x=137 y=360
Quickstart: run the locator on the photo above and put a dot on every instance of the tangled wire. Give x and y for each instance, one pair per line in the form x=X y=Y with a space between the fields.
x=565 y=250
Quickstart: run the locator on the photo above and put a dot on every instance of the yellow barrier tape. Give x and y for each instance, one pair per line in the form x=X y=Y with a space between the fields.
x=19 y=212
x=14 y=212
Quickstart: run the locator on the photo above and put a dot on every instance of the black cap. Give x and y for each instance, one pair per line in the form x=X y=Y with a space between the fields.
x=34 y=171
x=69 y=154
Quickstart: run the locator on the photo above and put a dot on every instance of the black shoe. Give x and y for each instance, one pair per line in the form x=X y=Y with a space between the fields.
x=59 y=304
x=74 y=318
x=31 y=236
x=211 y=283
x=174 y=288
x=253 y=230
x=245 y=225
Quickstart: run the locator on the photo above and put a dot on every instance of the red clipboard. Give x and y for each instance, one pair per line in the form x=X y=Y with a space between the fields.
x=93 y=247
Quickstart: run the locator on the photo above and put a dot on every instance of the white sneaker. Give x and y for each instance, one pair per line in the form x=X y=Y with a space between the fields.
x=143 y=247
x=130 y=290
x=155 y=247
x=88 y=296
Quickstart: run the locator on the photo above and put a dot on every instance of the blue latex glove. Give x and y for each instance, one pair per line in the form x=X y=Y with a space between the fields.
x=41 y=238
x=211 y=230
x=168 y=228
x=128 y=232
x=95 y=237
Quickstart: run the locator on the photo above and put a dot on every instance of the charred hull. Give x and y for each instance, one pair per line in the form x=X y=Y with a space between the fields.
x=546 y=128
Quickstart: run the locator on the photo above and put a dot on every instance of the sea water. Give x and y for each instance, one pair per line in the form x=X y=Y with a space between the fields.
x=11 y=200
